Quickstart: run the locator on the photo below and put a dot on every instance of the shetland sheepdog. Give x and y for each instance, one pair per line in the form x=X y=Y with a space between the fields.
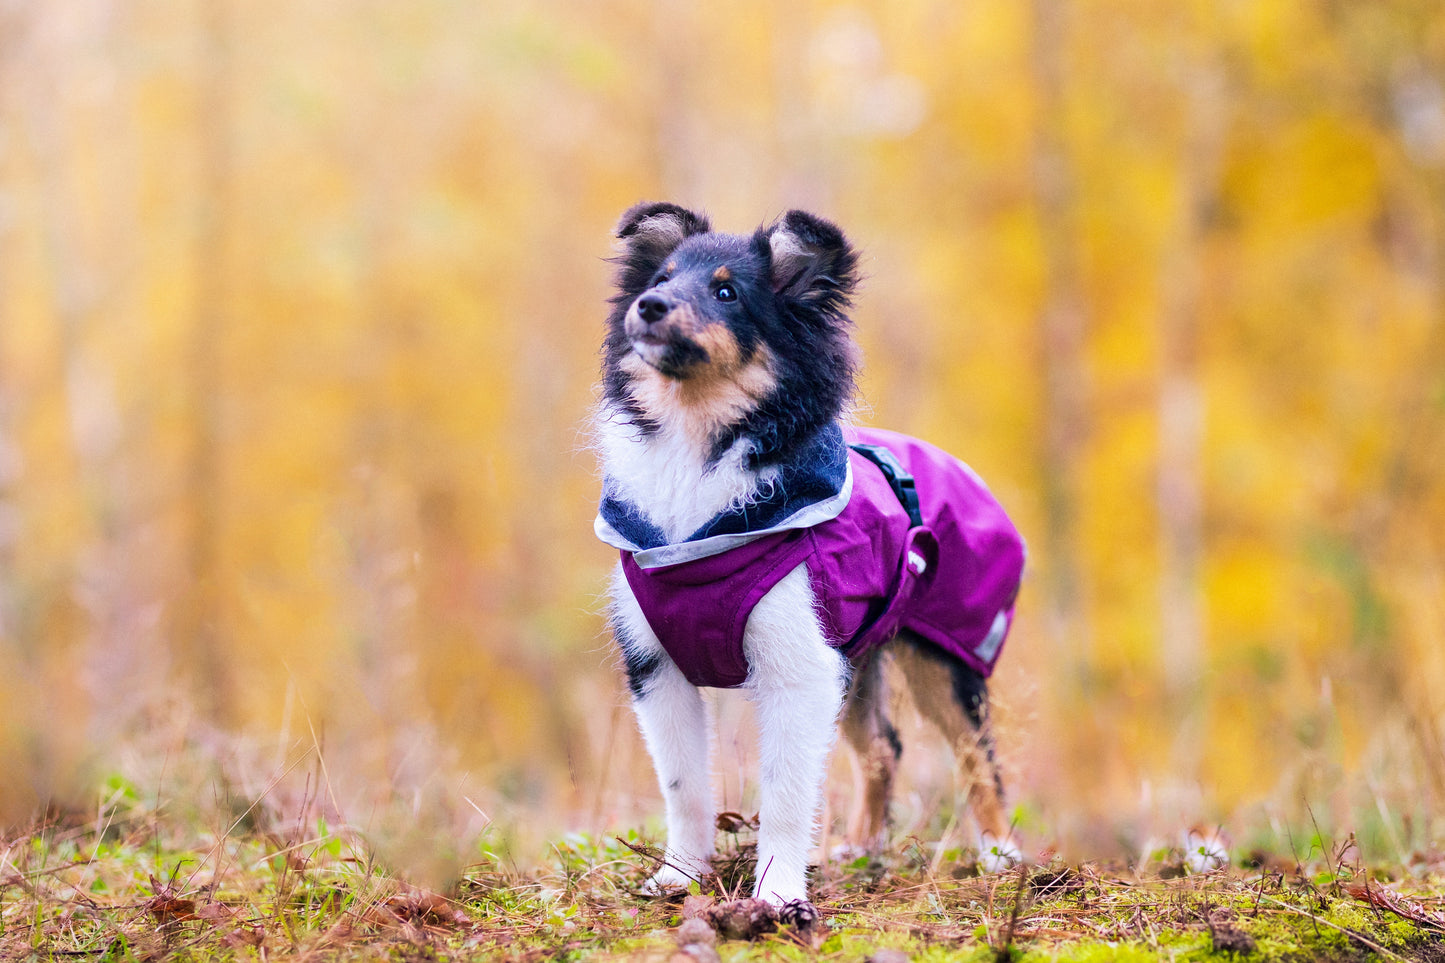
x=767 y=544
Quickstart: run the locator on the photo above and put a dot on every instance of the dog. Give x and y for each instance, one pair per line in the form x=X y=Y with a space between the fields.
x=766 y=544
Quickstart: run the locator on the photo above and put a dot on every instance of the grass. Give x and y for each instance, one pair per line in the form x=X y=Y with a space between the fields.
x=131 y=881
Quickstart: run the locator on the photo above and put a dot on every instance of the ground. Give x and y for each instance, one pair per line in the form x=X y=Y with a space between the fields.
x=129 y=884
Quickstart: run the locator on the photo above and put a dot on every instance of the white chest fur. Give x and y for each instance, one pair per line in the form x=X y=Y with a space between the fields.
x=667 y=474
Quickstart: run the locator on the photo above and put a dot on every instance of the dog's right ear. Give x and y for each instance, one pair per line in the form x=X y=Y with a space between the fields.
x=651 y=230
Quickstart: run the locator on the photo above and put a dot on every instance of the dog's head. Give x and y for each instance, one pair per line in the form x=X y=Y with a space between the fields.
x=757 y=319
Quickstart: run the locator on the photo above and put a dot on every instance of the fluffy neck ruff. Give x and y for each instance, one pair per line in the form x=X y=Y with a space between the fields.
x=739 y=448
x=676 y=499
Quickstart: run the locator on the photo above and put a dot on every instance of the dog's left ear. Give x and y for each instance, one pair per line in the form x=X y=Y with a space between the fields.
x=809 y=258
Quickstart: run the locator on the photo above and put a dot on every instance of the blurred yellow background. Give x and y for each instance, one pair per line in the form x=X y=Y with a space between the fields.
x=299 y=314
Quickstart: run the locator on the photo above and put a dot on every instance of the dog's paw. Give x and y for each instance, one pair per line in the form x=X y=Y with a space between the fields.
x=997 y=854
x=667 y=882
x=779 y=896
x=799 y=914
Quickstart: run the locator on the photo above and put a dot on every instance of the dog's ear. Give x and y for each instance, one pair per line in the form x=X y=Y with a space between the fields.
x=647 y=234
x=651 y=230
x=809 y=259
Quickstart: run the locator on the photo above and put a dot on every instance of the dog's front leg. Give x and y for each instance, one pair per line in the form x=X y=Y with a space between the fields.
x=675 y=726
x=796 y=681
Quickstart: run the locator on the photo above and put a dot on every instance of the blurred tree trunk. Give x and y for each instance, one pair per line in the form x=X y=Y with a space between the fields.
x=1063 y=332
x=200 y=632
x=1181 y=397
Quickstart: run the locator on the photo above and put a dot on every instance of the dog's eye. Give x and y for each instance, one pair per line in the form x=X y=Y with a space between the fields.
x=725 y=292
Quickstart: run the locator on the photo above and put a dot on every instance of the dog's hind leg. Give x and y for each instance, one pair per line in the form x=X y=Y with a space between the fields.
x=796 y=682
x=675 y=726
x=876 y=750
x=954 y=698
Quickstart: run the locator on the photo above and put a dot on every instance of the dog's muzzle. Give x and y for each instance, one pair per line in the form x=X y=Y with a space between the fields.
x=656 y=331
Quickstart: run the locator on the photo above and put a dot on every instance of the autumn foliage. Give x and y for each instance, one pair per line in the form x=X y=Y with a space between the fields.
x=299 y=314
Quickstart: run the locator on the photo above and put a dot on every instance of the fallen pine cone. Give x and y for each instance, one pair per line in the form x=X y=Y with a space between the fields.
x=799 y=914
x=743 y=919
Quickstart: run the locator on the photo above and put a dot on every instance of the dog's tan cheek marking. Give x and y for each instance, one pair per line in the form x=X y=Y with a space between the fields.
x=684 y=319
x=723 y=351
x=722 y=274
x=722 y=398
x=702 y=405
x=758 y=378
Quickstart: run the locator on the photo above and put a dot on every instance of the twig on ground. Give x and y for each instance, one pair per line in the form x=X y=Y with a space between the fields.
x=661 y=860
x=1005 y=951
x=1358 y=937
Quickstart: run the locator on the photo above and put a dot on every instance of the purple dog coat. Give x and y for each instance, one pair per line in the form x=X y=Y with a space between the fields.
x=951 y=580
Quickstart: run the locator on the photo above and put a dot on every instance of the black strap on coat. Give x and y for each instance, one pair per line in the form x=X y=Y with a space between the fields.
x=898 y=479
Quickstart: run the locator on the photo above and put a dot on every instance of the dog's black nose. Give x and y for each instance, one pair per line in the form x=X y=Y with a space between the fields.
x=652 y=307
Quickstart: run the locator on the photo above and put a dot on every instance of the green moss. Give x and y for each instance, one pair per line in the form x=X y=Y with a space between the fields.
x=1097 y=953
x=83 y=893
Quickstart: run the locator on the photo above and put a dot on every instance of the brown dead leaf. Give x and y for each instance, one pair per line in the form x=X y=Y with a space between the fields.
x=166 y=907
x=736 y=822
x=216 y=913
x=426 y=909
x=1401 y=906
x=166 y=910
x=236 y=932
x=244 y=936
